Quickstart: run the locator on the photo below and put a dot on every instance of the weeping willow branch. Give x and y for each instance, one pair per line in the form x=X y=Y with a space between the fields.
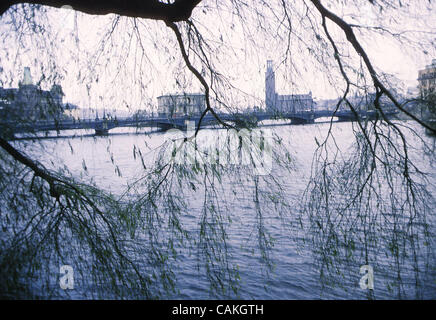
x=348 y=30
x=197 y=74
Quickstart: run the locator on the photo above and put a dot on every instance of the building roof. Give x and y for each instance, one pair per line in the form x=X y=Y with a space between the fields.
x=181 y=95
x=294 y=97
x=429 y=66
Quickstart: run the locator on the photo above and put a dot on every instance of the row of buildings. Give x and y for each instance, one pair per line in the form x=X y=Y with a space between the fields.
x=194 y=103
x=29 y=102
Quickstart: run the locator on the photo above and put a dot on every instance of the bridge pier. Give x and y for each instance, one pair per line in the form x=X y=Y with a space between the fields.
x=246 y=123
x=346 y=119
x=166 y=126
x=102 y=129
x=101 y=132
x=302 y=121
x=177 y=124
x=342 y=119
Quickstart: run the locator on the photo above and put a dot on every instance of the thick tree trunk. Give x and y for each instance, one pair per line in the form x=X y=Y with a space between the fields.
x=151 y=9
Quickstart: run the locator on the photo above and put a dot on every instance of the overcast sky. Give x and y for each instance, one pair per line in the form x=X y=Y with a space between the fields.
x=130 y=68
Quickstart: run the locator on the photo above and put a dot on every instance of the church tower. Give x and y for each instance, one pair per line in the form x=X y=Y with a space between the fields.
x=270 y=86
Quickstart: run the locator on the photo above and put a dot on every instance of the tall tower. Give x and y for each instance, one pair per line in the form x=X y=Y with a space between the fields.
x=270 y=86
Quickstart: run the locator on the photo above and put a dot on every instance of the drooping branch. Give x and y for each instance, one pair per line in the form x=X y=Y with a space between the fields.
x=34 y=166
x=351 y=37
x=179 y=10
x=198 y=75
x=57 y=186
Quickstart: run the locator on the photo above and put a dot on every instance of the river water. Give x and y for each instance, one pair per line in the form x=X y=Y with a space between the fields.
x=111 y=164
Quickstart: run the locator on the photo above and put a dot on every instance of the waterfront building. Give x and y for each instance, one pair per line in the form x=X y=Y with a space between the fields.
x=290 y=103
x=29 y=101
x=427 y=79
x=427 y=89
x=178 y=105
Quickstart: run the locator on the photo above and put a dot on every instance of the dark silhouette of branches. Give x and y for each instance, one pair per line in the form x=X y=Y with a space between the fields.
x=151 y=9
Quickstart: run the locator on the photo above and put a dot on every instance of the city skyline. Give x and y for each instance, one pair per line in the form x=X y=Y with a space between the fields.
x=97 y=89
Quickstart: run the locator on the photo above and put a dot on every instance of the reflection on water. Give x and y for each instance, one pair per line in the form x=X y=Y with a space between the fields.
x=112 y=163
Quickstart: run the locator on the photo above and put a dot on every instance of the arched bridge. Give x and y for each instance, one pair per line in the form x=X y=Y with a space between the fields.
x=102 y=126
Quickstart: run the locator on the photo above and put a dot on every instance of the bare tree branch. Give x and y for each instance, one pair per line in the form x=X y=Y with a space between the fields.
x=151 y=9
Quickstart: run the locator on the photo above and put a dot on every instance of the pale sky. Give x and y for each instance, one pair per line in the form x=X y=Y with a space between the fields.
x=111 y=72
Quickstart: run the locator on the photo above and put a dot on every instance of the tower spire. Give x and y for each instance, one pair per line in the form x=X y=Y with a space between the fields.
x=270 y=86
